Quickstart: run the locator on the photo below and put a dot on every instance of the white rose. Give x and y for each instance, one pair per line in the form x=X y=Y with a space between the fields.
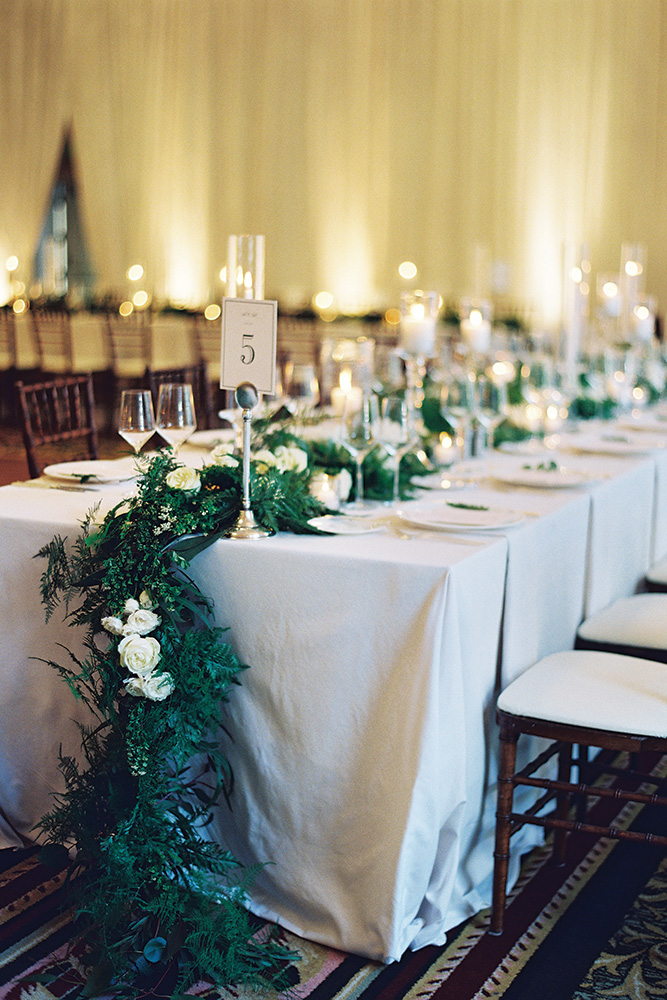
x=184 y=478
x=113 y=625
x=146 y=601
x=139 y=654
x=157 y=687
x=223 y=460
x=291 y=459
x=264 y=460
x=130 y=606
x=222 y=449
x=141 y=622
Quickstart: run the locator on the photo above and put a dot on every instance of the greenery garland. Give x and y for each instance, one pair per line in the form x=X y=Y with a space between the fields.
x=156 y=901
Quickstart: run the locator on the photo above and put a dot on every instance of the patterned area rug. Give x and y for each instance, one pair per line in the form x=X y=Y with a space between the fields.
x=595 y=929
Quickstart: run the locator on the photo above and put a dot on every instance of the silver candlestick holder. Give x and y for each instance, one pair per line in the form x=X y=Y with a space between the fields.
x=246 y=526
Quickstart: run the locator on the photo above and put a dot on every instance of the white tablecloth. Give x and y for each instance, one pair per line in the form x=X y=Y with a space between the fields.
x=363 y=745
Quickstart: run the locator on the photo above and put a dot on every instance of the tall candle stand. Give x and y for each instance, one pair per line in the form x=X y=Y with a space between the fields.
x=416 y=344
x=246 y=526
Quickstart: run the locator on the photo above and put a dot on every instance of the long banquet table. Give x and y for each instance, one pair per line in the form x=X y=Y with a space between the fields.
x=363 y=736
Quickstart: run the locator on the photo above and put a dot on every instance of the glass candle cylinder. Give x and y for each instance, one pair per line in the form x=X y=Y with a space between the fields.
x=245 y=267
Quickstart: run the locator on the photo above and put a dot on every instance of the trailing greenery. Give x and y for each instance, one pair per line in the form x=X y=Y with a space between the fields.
x=156 y=900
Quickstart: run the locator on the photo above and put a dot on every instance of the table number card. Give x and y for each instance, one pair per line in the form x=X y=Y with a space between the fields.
x=249 y=329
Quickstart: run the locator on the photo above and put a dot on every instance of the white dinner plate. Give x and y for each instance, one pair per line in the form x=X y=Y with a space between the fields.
x=559 y=478
x=445 y=517
x=115 y=471
x=346 y=524
x=530 y=446
x=615 y=443
x=211 y=438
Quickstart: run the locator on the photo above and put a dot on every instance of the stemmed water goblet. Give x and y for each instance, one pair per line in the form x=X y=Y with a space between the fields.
x=396 y=434
x=302 y=388
x=490 y=405
x=358 y=436
x=176 y=419
x=136 y=421
x=457 y=405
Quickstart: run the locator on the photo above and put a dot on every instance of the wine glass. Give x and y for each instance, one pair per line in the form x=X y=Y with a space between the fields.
x=395 y=432
x=136 y=422
x=302 y=387
x=176 y=419
x=490 y=405
x=457 y=405
x=358 y=429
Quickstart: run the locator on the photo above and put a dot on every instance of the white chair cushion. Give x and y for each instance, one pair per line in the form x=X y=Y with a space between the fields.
x=658 y=572
x=620 y=694
x=640 y=620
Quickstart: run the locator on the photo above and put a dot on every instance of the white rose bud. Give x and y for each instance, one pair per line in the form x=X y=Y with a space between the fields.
x=157 y=687
x=130 y=606
x=146 y=601
x=141 y=622
x=139 y=654
x=184 y=478
x=113 y=625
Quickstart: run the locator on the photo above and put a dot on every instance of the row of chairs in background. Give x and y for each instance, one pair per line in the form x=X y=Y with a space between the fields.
x=58 y=416
x=127 y=348
x=128 y=345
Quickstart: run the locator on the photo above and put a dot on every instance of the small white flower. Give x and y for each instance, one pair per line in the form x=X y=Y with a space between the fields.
x=146 y=601
x=113 y=625
x=141 y=622
x=157 y=687
x=264 y=460
x=221 y=450
x=139 y=654
x=184 y=478
x=135 y=687
x=290 y=458
x=224 y=461
x=130 y=606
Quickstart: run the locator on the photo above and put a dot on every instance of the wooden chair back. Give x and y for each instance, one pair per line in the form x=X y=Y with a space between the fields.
x=197 y=377
x=553 y=700
x=8 y=350
x=59 y=416
x=52 y=336
x=129 y=344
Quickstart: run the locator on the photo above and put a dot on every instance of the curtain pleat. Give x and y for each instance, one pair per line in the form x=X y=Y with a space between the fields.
x=353 y=133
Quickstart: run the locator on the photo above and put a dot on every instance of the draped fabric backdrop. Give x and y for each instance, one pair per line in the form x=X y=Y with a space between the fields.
x=353 y=133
